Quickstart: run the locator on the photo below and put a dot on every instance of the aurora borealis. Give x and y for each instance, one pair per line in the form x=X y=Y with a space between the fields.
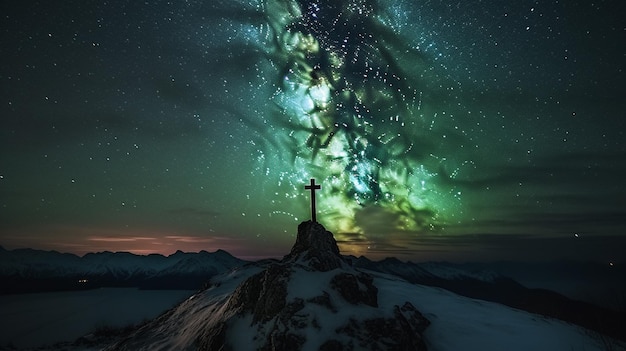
x=437 y=129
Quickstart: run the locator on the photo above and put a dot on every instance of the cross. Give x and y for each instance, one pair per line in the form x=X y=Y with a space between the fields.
x=313 y=187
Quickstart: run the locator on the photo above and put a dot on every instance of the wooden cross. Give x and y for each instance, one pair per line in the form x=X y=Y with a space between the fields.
x=313 y=187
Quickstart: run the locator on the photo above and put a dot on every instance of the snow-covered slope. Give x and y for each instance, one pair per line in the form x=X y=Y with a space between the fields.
x=460 y=323
x=426 y=271
x=314 y=299
x=486 y=285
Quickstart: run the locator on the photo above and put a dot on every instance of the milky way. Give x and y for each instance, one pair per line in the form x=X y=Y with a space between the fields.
x=436 y=129
x=348 y=109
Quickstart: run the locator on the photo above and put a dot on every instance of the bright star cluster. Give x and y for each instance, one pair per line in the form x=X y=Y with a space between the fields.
x=350 y=117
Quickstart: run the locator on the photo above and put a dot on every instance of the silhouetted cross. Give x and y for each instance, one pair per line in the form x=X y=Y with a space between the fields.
x=313 y=187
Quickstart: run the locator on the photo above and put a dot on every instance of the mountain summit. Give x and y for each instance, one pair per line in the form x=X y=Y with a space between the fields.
x=315 y=247
x=310 y=300
x=315 y=299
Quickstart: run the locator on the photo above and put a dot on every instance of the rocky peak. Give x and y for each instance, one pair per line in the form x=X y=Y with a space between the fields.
x=311 y=300
x=315 y=247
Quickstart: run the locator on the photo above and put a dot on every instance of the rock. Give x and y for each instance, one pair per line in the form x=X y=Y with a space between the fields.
x=323 y=300
x=415 y=319
x=263 y=294
x=356 y=289
x=284 y=333
x=271 y=310
x=393 y=334
x=213 y=338
x=315 y=247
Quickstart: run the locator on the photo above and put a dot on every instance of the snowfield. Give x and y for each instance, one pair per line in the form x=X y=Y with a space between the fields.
x=315 y=299
x=457 y=322
x=461 y=323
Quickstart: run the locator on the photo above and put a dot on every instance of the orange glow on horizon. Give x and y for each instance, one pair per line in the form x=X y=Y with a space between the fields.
x=83 y=240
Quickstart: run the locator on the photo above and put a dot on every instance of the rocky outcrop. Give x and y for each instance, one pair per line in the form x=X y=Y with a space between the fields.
x=315 y=247
x=356 y=288
x=310 y=300
x=263 y=294
x=401 y=332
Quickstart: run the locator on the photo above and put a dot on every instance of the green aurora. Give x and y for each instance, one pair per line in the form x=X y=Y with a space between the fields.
x=437 y=130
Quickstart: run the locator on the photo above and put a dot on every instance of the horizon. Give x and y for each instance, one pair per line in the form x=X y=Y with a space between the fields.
x=435 y=131
x=380 y=258
x=452 y=257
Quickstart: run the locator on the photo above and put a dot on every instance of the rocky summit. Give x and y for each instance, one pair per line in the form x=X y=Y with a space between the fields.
x=293 y=305
x=312 y=299
x=315 y=247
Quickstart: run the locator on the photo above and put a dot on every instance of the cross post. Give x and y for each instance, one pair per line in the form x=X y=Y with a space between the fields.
x=313 y=187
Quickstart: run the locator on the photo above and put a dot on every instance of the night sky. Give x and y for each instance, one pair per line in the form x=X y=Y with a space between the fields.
x=438 y=130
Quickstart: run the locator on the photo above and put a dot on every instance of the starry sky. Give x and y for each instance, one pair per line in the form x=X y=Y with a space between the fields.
x=438 y=130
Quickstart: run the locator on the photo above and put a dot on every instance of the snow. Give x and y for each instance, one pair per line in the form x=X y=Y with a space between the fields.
x=461 y=323
x=444 y=271
x=306 y=285
x=242 y=336
x=457 y=322
x=179 y=328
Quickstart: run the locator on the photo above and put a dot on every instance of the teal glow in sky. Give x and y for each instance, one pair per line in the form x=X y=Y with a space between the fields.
x=437 y=130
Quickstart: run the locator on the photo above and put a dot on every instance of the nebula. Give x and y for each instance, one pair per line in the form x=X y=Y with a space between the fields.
x=350 y=110
x=433 y=127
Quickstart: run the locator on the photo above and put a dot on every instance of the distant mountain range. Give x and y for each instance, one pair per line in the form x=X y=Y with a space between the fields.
x=316 y=299
x=28 y=270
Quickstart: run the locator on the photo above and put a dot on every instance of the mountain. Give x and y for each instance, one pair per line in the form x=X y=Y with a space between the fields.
x=487 y=285
x=316 y=299
x=28 y=270
x=601 y=283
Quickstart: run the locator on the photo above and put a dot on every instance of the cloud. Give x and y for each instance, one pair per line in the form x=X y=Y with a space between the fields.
x=190 y=239
x=349 y=238
x=566 y=170
x=596 y=222
x=191 y=211
x=375 y=220
x=489 y=247
x=118 y=239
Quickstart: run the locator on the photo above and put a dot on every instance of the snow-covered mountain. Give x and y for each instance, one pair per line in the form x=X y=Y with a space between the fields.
x=480 y=283
x=29 y=269
x=34 y=270
x=315 y=299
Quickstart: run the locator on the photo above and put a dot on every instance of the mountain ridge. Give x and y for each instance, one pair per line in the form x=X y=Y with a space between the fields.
x=312 y=299
x=316 y=299
x=29 y=270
